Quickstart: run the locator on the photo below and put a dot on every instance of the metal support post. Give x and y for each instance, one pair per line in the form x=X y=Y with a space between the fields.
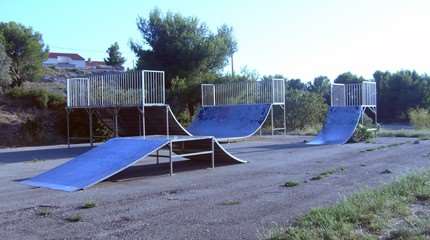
x=90 y=120
x=285 y=120
x=170 y=158
x=167 y=121
x=140 y=122
x=272 y=119
x=158 y=157
x=213 y=153
x=115 y=117
x=68 y=126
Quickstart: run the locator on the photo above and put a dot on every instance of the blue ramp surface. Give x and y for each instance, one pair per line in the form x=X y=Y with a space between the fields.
x=229 y=121
x=339 y=126
x=97 y=164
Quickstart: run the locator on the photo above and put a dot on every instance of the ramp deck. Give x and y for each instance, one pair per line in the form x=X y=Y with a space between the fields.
x=339 y=126
x=118 y=154
x=229 y=121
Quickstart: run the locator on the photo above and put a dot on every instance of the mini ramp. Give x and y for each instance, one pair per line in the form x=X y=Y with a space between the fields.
x=339 y=126
x=118 y=154
x=229 y=121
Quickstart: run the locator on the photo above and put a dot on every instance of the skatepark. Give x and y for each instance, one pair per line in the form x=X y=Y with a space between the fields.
x=223 y=175
x=227 y=202
x=229 y=111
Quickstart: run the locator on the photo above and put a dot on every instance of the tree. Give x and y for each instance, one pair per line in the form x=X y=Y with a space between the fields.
x=295 y=84
x=304 y=109
x=114 y=58
x=348 y=77
x=321 y=85
x=399 y=92
x=4 y=68
x=185 y=48
x=26 y=50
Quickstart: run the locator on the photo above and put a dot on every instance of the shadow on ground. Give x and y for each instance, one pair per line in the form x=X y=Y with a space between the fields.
x=148 y=170
x=41 y=154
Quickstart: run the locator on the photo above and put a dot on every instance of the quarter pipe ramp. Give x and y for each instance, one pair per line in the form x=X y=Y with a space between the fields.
x=339 y=126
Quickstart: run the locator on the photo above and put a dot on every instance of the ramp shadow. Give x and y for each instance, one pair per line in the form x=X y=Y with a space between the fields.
x=269 y=148
x=41 y=154
x=152 y=170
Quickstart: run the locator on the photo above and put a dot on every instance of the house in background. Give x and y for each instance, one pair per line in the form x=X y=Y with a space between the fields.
x=65 y=60
x=101 y=65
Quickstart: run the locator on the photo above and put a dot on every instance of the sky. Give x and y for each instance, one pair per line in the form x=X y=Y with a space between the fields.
x=296 y=38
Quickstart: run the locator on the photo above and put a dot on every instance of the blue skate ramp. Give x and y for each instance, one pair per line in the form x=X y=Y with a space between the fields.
x=229 y=121
x=339 y=126
x=97 y=164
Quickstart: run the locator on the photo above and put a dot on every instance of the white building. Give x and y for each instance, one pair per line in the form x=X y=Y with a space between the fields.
x=65 y=60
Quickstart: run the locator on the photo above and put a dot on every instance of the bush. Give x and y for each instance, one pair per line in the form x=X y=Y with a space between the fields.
x=304 y=110
x=32 y=131
x=39 y=98
x=362 y=134
x=419 y=118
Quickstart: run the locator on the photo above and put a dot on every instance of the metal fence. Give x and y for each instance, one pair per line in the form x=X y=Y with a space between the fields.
x=355 y=94
x=246 y=92
x=134 y=88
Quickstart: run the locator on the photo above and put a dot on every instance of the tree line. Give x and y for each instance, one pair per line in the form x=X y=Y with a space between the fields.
x=191 y=54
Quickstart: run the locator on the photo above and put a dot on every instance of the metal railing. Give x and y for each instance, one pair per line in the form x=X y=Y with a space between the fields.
x=354 y=94
x=246 y=92
x=134 y=88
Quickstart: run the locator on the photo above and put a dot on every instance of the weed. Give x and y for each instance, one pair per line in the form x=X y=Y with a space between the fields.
x=230 y=203
x=74 y=218
x=385 y=146
x=323 y=175
x=419 y=118
x=363 y=215
x=290 y=184
x=386 y=171
x=88 y=205
x=43 y=213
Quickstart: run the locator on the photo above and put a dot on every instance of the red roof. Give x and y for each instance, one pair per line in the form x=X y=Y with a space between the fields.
x=95 y=63
x=73 y=56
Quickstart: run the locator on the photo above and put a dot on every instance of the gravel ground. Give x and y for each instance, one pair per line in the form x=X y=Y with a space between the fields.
x=230 y=202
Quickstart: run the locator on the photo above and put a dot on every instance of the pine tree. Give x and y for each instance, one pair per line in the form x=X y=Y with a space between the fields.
x=114 y=58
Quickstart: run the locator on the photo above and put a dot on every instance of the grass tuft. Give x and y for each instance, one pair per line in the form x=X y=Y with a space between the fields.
x=88 y=205
x=386 y=171
x=43 y=213
x=364 y=215
x=230 y=203
x=324 y=174
x=407 y=133
x=74 y=218
x=290 y=184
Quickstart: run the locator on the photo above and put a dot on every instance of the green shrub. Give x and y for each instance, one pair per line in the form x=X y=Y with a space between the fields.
x=32 y=131
x=39 y=98
x=304 y=110
x=362 y=134
x=56 y=101
x=419 y=118
x=184 y=118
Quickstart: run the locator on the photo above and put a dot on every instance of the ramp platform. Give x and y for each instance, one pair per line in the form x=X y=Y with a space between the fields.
x=118 y=154
x=339 y=126
x=229 y=121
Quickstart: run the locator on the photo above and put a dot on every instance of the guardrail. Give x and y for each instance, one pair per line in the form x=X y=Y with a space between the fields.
x=355 y=94
x=245 y=92
x=134 y=88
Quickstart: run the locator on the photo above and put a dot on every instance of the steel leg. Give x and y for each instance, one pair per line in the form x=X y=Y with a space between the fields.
x=213 y=153
x=170 y=158
x=158 y=158
x=68 y=126
x=90 y=118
